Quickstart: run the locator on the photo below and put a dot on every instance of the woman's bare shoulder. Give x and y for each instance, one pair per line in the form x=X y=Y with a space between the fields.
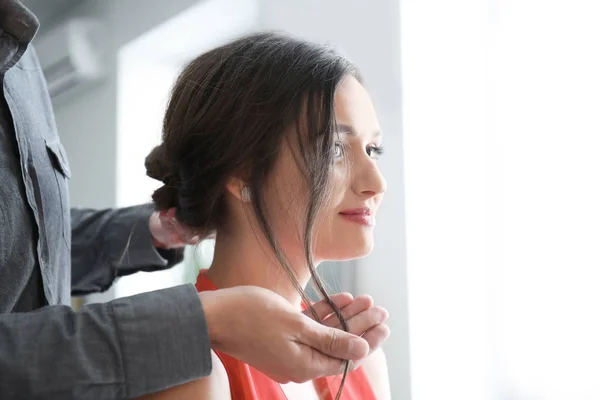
x=213 y=387
x=375 y=367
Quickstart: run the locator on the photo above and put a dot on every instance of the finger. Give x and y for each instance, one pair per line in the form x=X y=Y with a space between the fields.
x=180 y=233
x=359 y=305
x=323 y=309
x=333 y=342
x=322 y=364
x=194 y=240
x=376 y=336
x=170 y=213
x=366 y=320
x=182 y=237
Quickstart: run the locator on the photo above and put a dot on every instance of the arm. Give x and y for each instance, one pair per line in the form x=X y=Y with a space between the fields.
x=150 y=342
x=213 y=387
x=375 y=367
x=117 y=350
x=360 y=313
x=110 y=243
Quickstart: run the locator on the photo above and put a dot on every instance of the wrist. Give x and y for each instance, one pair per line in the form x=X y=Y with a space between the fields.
x=213 y=315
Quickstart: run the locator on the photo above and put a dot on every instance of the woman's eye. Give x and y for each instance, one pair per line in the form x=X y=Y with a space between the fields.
x=374 y=151
x=337 y=150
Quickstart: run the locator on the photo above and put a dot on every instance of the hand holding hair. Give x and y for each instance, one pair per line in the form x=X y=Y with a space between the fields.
x=264 y=330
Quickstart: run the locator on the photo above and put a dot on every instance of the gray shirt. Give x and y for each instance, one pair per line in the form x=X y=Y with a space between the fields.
x=117 y=350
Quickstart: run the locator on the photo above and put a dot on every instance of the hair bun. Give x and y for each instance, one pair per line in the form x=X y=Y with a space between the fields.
x=157 y=166
x=165 y=197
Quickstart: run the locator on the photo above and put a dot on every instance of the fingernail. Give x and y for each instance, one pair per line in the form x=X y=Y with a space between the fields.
x=368 y=299
x=384 y=313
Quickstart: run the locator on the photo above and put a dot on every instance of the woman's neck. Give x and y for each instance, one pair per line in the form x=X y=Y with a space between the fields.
x=241 y=260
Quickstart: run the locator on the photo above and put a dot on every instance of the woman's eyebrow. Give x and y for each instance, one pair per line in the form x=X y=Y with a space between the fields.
x=348 y=129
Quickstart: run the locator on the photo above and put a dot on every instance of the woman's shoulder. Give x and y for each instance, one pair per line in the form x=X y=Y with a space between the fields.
x=219 y=385
x=213 y=387
x=376 y=370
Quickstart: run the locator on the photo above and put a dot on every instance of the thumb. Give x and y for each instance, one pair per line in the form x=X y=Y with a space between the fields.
x=334 y=342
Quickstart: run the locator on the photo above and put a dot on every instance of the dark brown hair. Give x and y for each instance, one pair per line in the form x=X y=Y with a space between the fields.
x=229 y=111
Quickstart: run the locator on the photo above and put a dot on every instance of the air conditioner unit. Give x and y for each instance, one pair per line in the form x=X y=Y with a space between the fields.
x=70 y=55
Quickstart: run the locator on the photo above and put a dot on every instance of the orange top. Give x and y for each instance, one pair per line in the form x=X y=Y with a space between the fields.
x=246 y=383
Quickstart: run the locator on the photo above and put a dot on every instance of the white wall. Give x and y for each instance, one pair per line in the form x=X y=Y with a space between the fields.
x=87 y=126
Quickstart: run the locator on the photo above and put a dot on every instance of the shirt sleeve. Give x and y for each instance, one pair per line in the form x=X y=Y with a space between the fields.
x=110 y=243
x=117 y=350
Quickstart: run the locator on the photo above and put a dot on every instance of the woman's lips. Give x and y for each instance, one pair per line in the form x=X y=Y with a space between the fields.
x=360 y=216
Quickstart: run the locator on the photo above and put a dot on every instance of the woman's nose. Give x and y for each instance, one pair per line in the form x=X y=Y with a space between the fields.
x=368 y=180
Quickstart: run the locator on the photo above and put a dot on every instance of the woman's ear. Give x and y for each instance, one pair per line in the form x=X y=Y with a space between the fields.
x=238 y=188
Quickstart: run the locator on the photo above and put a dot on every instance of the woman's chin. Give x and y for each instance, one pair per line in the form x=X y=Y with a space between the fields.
x=362 y=252
x=350 y=251
x=362 y=248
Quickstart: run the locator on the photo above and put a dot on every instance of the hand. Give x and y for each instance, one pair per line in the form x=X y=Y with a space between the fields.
x=261 y=328
x=168 y=233
x=360 y=315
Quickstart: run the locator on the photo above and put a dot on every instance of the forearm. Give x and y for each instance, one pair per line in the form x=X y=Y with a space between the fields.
x=117 y=350
x=111 y=243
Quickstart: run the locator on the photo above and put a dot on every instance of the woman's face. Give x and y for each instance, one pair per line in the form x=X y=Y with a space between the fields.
x=344 y=226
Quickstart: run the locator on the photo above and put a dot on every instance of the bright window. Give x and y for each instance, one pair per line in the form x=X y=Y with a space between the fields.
x=501 y=129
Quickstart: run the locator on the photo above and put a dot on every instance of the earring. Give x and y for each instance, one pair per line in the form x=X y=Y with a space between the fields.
x=246 y=194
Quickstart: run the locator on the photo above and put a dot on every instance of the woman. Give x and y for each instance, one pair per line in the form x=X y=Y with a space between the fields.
x=271 y=142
